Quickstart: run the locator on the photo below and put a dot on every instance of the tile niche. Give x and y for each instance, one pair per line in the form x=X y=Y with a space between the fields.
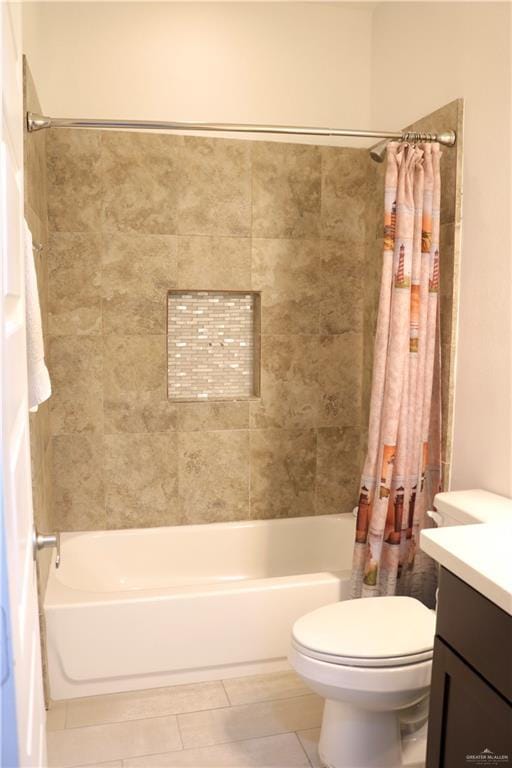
x=212 y=345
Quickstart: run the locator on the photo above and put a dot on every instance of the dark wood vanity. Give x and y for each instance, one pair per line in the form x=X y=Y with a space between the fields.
x=471 y=694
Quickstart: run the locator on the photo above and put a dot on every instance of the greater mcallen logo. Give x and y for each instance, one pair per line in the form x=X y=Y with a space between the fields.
x=487 y=757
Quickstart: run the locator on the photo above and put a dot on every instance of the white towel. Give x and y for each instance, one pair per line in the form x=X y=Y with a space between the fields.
x=39 y=387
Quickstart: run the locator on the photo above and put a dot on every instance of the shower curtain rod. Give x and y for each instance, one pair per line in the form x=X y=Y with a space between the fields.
x=37 y=122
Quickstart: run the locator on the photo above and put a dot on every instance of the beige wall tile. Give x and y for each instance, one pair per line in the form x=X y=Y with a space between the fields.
x=76 y=371
x=344 y=193
x=342 y=271
x=289 y=383
x=137 y=705
x=100 y=743
x=450 y=195
x=372 y=280
x=35 y=174
x=41 y=516
x=74 y=283
x=375 y=212
x=75 y=180
x=340 y=379
x=269 y=687
x=160 y=213
x=215 y=187
x=450 y=237
x=77 y=482
x=448 y=116
x=309 y=381
x=134 y=364
x=194 y=417
x=373 y=269
x=39 y=232
x=137 y=273
x=141 y=173
x=134 y=315
x=447 y=257
x=287 y=272
x=214 y=263
x=214 y=476
x=141 y=482
x=286 y=190
x=282 y=473
x=34 y=146
x=138 y=412
x=338 y=470
x=201 y=729
x=283 y=751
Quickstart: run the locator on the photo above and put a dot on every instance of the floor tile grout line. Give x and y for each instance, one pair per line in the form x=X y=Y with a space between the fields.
x=180 y=734
x=180 y=714
x=123 y=758
x=185 y=749
x=249 y=704
x=217 y=744
x=303 y=748
x=240 y=741
x=140 y=719
x=228 y=697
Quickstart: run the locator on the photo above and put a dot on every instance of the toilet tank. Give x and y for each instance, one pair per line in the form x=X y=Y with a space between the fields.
x=466 y=507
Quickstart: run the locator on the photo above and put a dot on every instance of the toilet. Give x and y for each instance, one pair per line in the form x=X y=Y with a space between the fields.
x=371 y=660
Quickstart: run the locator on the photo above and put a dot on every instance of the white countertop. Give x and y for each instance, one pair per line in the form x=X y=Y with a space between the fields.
x=480 y=555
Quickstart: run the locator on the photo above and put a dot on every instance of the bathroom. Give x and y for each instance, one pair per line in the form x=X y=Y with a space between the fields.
x=211 y=301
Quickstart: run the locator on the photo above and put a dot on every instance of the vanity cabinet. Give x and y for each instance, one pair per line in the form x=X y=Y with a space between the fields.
x=471 y=692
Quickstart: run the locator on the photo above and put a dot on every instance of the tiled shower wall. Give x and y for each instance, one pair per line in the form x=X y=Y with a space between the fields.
x=133 y=215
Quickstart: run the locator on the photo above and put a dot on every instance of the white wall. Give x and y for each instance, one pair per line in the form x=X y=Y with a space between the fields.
x=424 y=55
x=284 y=63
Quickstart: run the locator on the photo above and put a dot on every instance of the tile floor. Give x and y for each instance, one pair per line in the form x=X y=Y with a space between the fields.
x=261 y=721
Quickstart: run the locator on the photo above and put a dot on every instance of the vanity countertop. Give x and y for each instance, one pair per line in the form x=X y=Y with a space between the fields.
x=480 y=555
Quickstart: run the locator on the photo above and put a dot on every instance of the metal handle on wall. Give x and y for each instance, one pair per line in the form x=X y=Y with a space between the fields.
x=45 y=540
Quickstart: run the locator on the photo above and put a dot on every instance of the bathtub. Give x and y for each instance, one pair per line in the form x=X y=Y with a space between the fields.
x=149 y=607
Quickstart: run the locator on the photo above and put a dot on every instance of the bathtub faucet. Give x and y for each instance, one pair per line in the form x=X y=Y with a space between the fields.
x=44 y=540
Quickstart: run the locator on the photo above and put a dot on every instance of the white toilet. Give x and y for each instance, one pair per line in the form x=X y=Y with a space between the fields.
x=371 y=660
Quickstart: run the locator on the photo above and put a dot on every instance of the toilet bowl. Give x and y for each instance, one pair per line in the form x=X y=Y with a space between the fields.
x=371 y=660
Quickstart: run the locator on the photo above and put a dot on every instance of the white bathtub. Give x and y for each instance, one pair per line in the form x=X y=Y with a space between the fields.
x=149 y=607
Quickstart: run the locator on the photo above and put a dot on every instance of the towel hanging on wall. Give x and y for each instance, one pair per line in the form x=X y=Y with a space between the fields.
x=39 y=386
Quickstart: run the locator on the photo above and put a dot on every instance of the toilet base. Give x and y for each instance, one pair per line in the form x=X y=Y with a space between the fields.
x=358 y=738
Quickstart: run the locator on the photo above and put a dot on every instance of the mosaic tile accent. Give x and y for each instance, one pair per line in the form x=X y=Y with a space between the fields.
x=212 y=345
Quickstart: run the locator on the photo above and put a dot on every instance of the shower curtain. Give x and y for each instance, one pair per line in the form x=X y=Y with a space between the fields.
x=401 y=473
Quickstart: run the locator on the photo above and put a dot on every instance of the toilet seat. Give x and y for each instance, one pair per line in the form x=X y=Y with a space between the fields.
x=369 y=632
x=359 y=661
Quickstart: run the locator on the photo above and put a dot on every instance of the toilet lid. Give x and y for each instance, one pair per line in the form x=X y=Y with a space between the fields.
x=374 y=631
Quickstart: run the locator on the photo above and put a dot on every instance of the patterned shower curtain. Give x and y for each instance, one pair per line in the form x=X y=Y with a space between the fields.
x=401 y=473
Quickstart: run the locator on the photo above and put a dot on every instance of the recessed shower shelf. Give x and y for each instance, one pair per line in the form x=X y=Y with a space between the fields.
x=213 y=347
